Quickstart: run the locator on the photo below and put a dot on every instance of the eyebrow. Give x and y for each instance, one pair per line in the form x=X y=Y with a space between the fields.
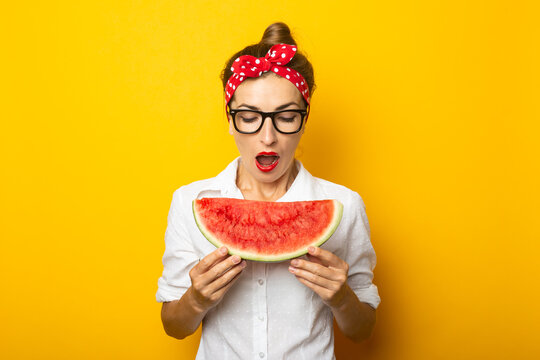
x=280 y=107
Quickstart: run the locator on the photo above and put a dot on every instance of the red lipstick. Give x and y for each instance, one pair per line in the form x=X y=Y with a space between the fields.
x=266 y=167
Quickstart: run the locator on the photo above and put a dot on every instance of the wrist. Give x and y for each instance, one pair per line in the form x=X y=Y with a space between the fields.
x=196 y=306
x=342 y=300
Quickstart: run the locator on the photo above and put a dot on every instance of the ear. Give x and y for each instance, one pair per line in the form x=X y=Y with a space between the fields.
x=229 y=119
x=231 y=128
x=305 y=121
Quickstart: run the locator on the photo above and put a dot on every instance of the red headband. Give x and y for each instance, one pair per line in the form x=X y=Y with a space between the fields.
x=249 y=66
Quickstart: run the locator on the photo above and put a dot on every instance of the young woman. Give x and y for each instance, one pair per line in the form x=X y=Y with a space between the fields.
x=268 y=310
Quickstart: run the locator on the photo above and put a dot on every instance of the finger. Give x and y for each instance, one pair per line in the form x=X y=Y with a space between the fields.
x=226 y=278
x=218 y=293
x=315 y=279
x=314 y=259
x=317 y=269
x=321 y=291
x=209 y=260
x=327 y=258
x=223 y=290
x=219 y=269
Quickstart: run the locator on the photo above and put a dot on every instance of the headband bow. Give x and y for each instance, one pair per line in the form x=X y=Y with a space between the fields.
x=250 y=66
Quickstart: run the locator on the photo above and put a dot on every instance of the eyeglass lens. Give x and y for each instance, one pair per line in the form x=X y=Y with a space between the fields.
x=249 y=121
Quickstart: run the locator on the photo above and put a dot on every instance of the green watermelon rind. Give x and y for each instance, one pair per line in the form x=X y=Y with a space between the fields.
x=334 y=223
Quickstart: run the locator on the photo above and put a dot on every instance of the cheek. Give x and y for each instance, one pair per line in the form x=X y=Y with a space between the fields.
x=243 y=143
x=291 y=143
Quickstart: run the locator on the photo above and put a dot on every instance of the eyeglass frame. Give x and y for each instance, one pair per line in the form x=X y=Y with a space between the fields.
x=302 y=112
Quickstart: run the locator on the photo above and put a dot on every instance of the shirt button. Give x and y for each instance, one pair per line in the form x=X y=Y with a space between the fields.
x=261 y=281
x=261 y=355
x=261 y=318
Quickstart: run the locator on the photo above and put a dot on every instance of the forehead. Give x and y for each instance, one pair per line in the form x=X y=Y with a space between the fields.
x=266 y=92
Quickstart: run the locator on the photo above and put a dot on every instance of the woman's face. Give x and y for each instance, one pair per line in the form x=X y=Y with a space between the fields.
x=268 y=93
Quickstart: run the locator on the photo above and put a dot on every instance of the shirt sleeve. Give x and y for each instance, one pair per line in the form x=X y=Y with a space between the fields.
x=179 y=256
x=360 y=254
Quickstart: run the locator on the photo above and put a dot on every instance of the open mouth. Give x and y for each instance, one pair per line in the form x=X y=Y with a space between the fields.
x=266 y=161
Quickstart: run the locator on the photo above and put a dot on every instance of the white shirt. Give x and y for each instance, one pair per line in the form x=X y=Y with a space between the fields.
x=267 y=313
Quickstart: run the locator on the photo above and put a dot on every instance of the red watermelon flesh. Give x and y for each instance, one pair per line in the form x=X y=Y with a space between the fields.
x=264 y=230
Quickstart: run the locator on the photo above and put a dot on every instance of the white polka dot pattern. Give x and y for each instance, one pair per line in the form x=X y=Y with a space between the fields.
x=275 y=59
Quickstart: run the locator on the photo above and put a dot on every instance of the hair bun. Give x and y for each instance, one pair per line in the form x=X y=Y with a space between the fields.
x=277 y=33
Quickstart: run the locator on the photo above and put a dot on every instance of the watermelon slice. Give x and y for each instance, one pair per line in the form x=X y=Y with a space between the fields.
x=264 y=230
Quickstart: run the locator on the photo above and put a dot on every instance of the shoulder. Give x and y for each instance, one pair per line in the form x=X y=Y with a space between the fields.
x=196 y=186
x=354 y=209
x=349 y=198
x=185 y=194
x=354 y=226
x=211 y=187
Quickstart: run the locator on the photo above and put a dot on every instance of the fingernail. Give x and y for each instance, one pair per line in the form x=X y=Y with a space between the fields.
x=291 y=269
x=311 y=249
x=294 y=262
x=236 y=259
x=244 y=264
x=223 y=250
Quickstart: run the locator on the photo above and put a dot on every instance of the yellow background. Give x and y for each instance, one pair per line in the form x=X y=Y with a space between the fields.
x=428 y=109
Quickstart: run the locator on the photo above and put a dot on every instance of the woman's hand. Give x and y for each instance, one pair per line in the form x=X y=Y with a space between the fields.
x=213 y=276
x=324 y=273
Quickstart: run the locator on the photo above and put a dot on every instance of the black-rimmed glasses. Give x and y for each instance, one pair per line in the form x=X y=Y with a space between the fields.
x=251 y=121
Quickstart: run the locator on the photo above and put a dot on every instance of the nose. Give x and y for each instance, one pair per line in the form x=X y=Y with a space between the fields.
x=268 y=133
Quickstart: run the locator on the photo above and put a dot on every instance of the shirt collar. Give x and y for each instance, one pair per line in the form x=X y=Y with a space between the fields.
x=225 y=182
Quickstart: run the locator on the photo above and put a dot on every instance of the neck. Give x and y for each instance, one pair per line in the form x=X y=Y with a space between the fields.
x=256 y=190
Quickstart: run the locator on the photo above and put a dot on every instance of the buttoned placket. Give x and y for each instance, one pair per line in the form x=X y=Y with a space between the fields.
x=260 y=310
x=259 y=300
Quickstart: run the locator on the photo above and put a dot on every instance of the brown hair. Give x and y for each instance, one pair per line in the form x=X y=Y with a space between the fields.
x=276 y=33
